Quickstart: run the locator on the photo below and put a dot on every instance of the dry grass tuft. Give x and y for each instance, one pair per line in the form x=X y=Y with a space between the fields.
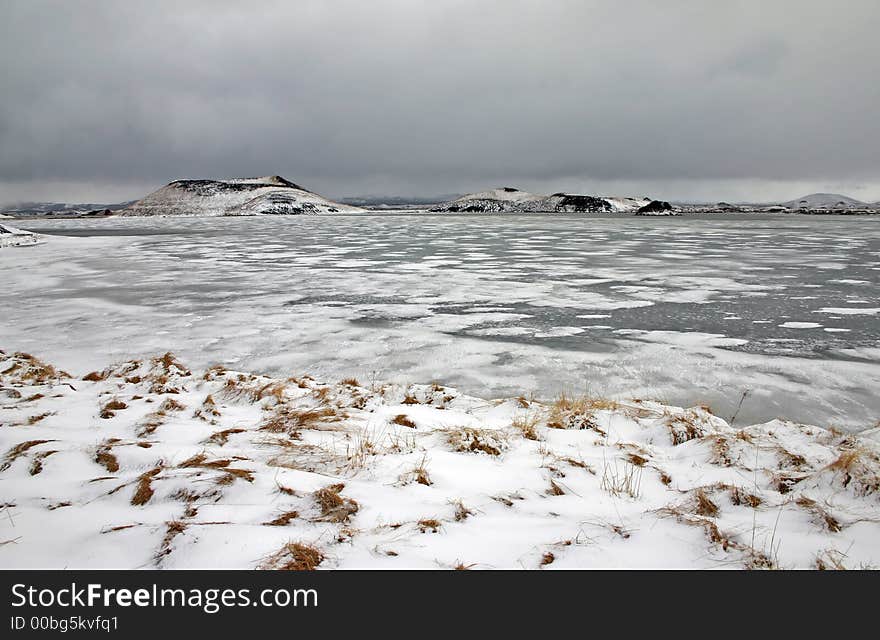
x=578 y=413
x=741 y=497
x=334 y=507
x=283 y=519
x=173 y=528
x=104 y=455
x=37 y=461
x=290 y=421
x=419 y=473
x=462 y=513
x=470 y=439
x=403 y=421
x=547 y=558
x=350 y=382
x=208 y=410
x=110 y=408
x=622 y=478
x=294 y=556
x=684 y=427
x=19 y=450
x=830 y=560
x=170 y=404
x=429 y=524
x=144 y=490
x=38 y=418
x=228 y=474
x=527 y=425
x=637 y=460
x=703 y=504
x=820 y=515
x=858 y=467
x=555 y=489
x=96 y=376
x=220 y=438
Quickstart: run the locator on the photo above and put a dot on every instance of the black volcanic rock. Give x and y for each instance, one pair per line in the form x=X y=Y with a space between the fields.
x=655 y=206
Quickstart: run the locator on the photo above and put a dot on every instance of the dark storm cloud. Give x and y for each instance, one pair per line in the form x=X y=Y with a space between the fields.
x=440 y=96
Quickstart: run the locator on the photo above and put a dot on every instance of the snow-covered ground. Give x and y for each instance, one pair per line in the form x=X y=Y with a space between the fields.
x=150 y=464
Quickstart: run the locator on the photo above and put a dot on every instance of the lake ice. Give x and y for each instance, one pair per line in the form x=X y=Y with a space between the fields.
x=682 y=310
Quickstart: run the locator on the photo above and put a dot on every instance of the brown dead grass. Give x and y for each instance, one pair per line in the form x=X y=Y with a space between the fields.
x=334 y=507
x=684 y=427
x=208 y=410
x=104 y=456
x=555 y=489
x=858 y=468
x=419 y=473
x=819 y=514
x=19 y=450
x=703 y=504
x=429 y=524
x=220 y=438
x=402 y=420
x=144 y=490
x=110 y=408
x=462 y=513
x=472 y=440
x=578 y=413
x=290 y=421
x=283 y=519
x=37 y=461
x=294 y=556
x=228 y=474
x=38 y=418
x=527 y=425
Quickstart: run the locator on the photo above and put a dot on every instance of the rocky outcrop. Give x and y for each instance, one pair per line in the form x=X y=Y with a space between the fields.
x=234 y=197
x=655 y=207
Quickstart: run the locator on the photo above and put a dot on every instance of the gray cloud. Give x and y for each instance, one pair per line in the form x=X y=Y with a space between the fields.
x=681 y=98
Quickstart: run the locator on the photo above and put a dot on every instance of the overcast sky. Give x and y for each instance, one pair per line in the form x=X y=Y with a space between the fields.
x=756 y=100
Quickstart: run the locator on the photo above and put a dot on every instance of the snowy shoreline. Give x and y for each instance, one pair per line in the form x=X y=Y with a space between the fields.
x=147 y=464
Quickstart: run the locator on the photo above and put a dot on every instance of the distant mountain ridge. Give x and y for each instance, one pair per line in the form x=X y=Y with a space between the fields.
x=267 y=195
x=824 y=201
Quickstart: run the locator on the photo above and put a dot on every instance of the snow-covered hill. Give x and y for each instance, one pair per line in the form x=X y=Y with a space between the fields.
x=12 y=237
x=511 y=200
x=234 y=197
x=824 y=201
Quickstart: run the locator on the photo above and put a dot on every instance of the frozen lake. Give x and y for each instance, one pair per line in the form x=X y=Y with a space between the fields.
x=684 y=310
